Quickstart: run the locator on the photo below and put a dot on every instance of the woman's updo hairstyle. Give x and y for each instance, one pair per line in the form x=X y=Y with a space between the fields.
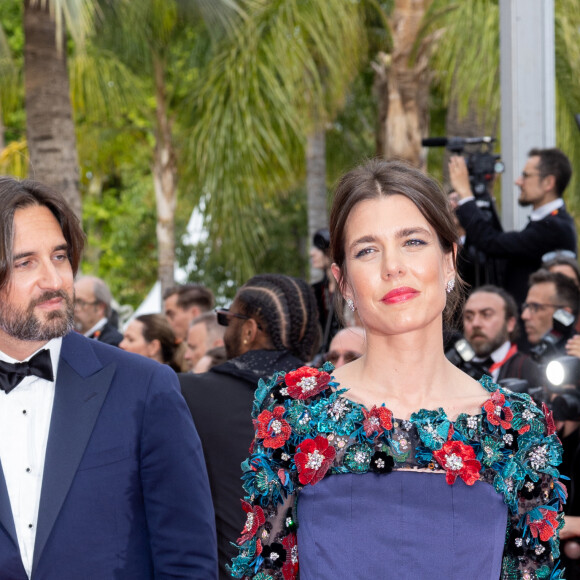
x=378 y=178
x=157 y=327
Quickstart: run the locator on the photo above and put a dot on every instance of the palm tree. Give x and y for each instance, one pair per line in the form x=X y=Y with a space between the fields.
x=467 y=69
x=402 y=85
x=49 y=117
x=140 y=38
x=275 y=81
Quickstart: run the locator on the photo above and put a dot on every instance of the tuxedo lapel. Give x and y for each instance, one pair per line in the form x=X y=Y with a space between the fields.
x=81 y=387
x=6 y=519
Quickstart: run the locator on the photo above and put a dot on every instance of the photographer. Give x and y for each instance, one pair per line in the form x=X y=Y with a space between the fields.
x=542 y=184
x=550 y=294
x=490 y=326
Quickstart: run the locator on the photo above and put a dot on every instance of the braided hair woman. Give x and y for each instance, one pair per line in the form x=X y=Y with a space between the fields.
x=272 y=326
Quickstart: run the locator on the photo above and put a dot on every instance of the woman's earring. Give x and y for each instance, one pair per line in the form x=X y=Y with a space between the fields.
x=450 y=285
x=350 y=304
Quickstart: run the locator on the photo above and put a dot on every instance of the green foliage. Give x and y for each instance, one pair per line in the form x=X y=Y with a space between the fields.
x=281 y=73
x=285 y=227
x=121 y=246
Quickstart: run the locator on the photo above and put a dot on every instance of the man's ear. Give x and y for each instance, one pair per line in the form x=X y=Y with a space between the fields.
x=250 y=332
x=549 y=183
x=511 y=324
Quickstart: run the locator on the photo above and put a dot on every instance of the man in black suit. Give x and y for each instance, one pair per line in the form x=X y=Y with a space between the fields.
x=542 y=183
x=93 y=310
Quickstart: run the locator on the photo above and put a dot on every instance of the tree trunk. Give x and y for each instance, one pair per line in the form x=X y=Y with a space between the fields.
x=164 y=178
x=2 y=129
x=316 y=186
x=50 y=128
x=402 y=88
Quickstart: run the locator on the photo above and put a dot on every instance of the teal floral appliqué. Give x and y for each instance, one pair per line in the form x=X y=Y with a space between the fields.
x=432 y=427
x=510 y=445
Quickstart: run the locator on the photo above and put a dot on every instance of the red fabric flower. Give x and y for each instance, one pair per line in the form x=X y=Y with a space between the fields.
x=549 y=419
x=270 y=427
x=313 y=458
x=497 y=413
x=458 y=460
x=377 y=420
x=254 y=519
x=290 y=567
x=546 y=526
x=306 y=382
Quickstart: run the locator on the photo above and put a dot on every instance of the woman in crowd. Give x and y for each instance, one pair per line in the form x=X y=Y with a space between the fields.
x=404 y=466
x=151 y=335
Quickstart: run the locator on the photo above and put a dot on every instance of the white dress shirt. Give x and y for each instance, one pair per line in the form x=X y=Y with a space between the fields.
x=24 y=422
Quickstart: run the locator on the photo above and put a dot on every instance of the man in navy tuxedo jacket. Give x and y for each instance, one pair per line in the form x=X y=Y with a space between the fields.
x=101 y=470
x=542 y=183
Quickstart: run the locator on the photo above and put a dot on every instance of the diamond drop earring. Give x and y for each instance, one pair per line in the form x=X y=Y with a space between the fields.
x=350 y=304
x=450 y=285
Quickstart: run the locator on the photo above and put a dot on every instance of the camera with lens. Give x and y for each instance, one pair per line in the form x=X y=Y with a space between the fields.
x=461 y=355
x=562 y=372
x=482 y=163
x=553 y=343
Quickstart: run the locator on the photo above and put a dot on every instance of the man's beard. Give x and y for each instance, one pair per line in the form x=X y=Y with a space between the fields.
x=232 y=344
x=484 y=349
x=524 y=202
x=24 y=324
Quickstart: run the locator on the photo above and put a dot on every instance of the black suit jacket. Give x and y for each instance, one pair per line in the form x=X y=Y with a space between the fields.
x=220 y=402
x=108 y=334
x=523 y=250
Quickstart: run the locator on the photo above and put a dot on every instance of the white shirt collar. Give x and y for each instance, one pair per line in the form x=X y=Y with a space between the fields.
x=498 y=354
x=545 y=210
x=54 y=346
x=97 y=326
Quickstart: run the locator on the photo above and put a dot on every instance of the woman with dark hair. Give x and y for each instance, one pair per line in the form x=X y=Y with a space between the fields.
x=400 y=465
x=324 y=289
x=151 y=335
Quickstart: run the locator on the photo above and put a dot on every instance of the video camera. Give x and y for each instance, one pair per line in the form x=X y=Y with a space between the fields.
x=482 y=164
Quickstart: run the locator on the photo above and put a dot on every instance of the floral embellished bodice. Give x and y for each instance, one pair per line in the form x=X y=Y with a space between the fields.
x=306 y=430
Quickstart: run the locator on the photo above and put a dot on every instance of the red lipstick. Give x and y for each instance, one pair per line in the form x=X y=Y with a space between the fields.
x=398 y=295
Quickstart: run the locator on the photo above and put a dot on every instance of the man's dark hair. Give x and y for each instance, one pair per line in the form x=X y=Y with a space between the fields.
x=510 y=306
x=189 y=295
x=567 y=293
x=564 y=261
x=19 y=194
x=285 y=308
x=553 y=162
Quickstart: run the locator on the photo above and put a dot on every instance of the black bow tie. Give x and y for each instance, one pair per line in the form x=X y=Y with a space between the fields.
x=486 y=364
x=39 y=365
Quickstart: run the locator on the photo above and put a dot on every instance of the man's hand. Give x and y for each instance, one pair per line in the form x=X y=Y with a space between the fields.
x=573 y=346
x=459 y=176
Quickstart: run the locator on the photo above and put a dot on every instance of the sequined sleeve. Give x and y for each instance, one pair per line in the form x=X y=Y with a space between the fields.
x=531 y=488
x=267 y=544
